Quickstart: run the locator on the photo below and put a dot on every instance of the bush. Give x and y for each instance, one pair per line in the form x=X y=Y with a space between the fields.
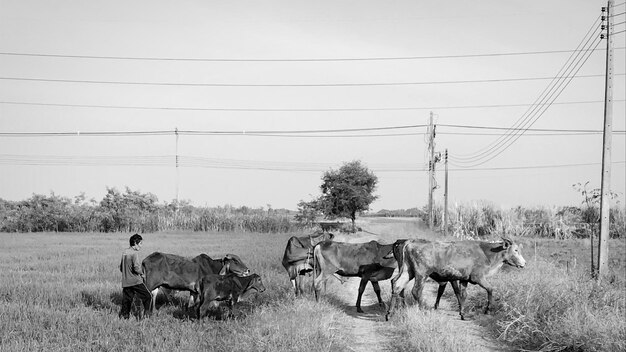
x=546 y=308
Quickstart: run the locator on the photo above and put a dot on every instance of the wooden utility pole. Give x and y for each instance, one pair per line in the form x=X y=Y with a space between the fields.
x=431 y=170
x=177 y=172
x=445 y=202
x=605 y=200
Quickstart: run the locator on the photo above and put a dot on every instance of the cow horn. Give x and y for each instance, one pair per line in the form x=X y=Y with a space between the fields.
x=506 y=242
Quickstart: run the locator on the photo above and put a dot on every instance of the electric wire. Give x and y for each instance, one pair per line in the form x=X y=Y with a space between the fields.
x=202 y=162
x=516 y=136
x=532 y=109
x=406 y=108
x=549 y=95
x=317 y=133
x=363 y=84
x=390 y=58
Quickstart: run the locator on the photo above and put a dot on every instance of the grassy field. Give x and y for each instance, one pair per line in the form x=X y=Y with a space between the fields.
x=61 y=292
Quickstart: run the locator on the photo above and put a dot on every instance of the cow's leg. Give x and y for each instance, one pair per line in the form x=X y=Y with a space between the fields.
x=440 y=290
x=397 y=286
x=362 y=285
x=153 y=293
x=294 y=285
x=484 y=284
x=376 y=288
x=318 y=280
x=193 y=297
x=418 y=289
x=459 y=297
x=299 y=285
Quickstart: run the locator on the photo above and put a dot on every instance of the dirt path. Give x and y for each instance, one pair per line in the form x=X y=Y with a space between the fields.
x=371 y=332
x=470 y=327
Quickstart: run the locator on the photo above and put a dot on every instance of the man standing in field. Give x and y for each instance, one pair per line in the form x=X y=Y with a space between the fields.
x=132 y=278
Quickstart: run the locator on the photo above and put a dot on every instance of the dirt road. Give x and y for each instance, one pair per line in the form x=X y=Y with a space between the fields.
x=373 y=334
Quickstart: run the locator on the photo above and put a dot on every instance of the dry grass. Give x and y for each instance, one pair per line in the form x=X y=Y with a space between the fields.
x=61 y=292
x=65 y=294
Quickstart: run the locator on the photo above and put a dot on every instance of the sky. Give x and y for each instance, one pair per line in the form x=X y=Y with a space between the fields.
x=269 y=95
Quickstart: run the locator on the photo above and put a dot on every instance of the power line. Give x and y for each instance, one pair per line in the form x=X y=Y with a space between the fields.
x=67 y=56
x=52 y=80
x=546 y=98
x=519 y=129
x=288 y=133
x=199 y=132
x=201 y=162
x=407 y=108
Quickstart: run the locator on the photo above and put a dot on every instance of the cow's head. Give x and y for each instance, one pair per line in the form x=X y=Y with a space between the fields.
x=324 y=236
x=255 y=285
x=233 y=264
x=513 y=254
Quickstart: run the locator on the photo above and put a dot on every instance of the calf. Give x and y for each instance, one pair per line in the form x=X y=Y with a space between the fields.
x=174 y=272
x=464 y=261
x=366 y=260
x=230 y=288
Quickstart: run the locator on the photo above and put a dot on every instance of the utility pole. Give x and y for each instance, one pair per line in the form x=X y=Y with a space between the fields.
x=177 y=172
x=605 y=200
x=431 y=170
x=445 y=202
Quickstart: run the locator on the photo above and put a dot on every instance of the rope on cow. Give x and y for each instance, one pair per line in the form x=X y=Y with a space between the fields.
x=371 y=233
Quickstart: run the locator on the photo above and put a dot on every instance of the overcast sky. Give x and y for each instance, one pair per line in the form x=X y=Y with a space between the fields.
x=289 y=68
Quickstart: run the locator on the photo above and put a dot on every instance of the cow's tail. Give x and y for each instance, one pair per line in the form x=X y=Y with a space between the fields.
x=316 y=254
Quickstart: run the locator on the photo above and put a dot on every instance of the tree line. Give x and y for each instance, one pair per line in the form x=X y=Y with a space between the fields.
x=133 y=211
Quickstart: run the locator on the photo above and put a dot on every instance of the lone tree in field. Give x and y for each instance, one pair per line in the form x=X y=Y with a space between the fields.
x=347 y=191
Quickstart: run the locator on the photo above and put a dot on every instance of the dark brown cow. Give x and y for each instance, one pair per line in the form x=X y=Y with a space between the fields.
x=174 y=272
x=365 y=260
x=231 y=288
x=298 y=257
x=466 y=261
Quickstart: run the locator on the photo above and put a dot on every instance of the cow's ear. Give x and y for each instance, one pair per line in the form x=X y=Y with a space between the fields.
x=224 y=270
x=506 y=243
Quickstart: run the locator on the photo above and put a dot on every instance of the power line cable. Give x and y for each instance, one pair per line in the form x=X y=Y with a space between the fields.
x=533 y=108
x=407 y=108
x=194 y=161
x=549 y=95
x=52 y=80
x=390 y=58
x=199 y=132
x=289 y=133
x=516 y=136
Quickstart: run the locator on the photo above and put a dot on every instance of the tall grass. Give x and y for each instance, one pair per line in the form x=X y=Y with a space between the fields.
x=61 y=292
x=548 y=309
x=483 y=219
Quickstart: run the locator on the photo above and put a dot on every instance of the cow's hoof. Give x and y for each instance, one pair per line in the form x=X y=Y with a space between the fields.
x=359 y=310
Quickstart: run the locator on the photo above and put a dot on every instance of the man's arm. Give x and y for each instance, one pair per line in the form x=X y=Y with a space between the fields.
x=137 y=269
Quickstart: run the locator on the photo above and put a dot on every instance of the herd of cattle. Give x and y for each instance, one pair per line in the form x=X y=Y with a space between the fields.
x=210 y=281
